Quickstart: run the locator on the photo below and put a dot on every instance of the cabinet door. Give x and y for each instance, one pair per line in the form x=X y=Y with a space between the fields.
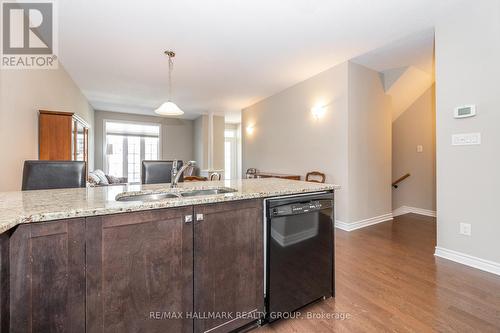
x=4 y=282
x=55 y=136
x=140 y=272
x=47 y=277
x=228 y=261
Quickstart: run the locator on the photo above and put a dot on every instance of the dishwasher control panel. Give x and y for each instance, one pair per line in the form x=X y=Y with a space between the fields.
x=298 y=208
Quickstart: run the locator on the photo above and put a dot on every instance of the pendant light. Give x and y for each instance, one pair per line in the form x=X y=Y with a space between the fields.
x=169 y=108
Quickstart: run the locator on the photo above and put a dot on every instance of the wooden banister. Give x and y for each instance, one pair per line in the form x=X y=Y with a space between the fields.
x=399 y=180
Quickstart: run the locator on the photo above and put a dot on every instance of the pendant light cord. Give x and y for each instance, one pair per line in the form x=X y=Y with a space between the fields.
x=169 y=108
x=170 y=69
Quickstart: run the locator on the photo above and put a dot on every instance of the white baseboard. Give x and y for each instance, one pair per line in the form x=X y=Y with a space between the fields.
x=363 y=223
x=407 y=209
x=468 y=260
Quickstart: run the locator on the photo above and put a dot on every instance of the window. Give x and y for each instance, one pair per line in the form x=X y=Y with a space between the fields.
x=80 y=141
x=127 y=144
x=115 y=160
x=227 y=156
x=231 y=159
x=151 y=148
x=134 y=158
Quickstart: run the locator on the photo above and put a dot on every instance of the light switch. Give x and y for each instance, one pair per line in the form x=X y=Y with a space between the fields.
x=420 y=148
x=466 y=139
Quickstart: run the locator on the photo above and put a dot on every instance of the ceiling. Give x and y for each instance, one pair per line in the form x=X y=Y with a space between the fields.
x=407 y=67
x=230 y=53
x=415 y=50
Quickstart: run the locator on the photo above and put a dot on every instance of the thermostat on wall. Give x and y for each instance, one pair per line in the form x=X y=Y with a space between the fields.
x=465 y=111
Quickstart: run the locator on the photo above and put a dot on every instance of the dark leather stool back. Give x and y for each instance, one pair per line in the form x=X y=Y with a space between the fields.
x=158 y=172
x=43 y=175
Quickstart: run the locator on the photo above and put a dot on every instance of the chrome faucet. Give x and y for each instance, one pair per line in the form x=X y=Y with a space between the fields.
x=176 y=174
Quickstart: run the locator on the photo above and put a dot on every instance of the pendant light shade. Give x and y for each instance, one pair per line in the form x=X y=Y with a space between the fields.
x=169 y=108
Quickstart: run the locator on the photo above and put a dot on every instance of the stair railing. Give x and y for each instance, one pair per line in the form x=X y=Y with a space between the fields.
x=395 y=183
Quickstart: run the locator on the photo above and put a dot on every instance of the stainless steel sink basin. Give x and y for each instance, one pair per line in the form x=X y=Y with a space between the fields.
x=148 y=197
x=161 y=196
x=194 y=193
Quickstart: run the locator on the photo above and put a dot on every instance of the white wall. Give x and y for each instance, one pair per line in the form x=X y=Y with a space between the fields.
x=22 y=94
x=209 y=152
x=415 y=126
x=351 y=143
x=468 y=178
x=219 y=126
x=369 y=147
x=176 y=135
x=201 y=141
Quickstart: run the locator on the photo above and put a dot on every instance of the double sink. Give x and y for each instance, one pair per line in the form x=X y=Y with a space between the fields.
x=146 y=197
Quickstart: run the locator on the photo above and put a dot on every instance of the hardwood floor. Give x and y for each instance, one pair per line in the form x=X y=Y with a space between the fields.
x=387 y=279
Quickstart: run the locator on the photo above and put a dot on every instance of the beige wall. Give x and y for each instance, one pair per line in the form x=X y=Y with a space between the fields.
x=176 y=135
x=351 y=143
x=369 y=147
x=288 y=139
x=415 y=126
x=22 y=94
x=468 y=181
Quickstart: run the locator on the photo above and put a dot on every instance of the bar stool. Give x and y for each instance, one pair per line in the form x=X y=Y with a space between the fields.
x=158 y=172
x=44 y=175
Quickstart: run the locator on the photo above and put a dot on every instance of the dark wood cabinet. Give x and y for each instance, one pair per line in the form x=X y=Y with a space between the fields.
x=62 y=136
x=4 y=283
x=140 y=271
x=46 y=291
x=150 y=271
x=55 y=135
x=228 y=264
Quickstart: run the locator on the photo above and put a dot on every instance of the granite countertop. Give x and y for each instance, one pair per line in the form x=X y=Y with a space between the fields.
x=46 y=205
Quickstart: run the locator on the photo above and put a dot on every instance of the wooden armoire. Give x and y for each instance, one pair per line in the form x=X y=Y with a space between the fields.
x=62 y=136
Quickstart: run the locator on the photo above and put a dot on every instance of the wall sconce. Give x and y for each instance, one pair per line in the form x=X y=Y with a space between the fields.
x=250 y=129
x=318 y=111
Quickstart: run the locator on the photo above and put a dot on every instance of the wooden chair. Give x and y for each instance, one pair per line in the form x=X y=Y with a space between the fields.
x=314 y=174
x=44 y=175
x=190 y=171
x=194 y=179
x=215 y=176
x=251 y=173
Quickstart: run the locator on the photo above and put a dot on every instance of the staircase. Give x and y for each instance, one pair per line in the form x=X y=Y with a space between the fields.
x=405 y=85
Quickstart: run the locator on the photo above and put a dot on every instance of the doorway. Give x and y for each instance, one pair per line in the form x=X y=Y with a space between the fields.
x=232 y=155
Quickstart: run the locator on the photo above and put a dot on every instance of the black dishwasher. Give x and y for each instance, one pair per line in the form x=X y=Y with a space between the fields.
x=299 y=252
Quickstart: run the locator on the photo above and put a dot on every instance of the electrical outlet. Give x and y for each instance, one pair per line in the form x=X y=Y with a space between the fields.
x=465 y=229
x=420 y=148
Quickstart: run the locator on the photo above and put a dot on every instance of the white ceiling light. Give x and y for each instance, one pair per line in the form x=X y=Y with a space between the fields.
x=169 y=108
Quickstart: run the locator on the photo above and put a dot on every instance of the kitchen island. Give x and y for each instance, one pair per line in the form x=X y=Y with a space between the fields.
x=79 y=260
